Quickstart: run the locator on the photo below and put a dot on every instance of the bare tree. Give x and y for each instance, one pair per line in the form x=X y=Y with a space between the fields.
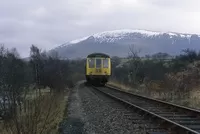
x=134 y=63
x=26 y=105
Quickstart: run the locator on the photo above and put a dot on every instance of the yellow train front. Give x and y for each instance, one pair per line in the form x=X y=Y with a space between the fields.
x=98 y=68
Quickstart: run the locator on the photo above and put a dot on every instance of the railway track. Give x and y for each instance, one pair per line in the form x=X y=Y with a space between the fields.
x=174 y=118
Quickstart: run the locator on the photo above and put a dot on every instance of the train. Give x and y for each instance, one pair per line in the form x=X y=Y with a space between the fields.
x=98 y=68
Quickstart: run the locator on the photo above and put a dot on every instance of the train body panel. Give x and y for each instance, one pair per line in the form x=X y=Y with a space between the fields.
x=98 y=68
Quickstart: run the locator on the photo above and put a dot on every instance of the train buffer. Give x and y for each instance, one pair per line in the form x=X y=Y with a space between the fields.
x=156 y=133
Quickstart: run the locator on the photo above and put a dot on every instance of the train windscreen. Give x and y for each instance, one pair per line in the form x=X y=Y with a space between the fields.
x=105 y=63
x=98 y=63
x=91 y=63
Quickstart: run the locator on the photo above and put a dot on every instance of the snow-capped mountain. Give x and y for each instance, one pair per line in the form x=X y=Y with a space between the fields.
x=117 y=43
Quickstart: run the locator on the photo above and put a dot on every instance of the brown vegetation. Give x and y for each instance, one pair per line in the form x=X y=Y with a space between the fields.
x=181 y=87
x=25 y=107
x=174 y=79
x=40 y=114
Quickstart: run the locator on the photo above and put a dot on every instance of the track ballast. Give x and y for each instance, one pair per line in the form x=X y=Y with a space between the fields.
x=172 y=117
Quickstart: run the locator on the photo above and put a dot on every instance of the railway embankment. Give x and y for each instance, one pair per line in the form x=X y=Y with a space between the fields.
x=89 y=111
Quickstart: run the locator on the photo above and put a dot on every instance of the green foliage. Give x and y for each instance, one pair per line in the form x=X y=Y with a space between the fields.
x=13 y=80
x=50 y=71
x=41 y=71
x=180 y=62
x=77 y=69
x=115 y=61
x=154 y=67
x=160 y=56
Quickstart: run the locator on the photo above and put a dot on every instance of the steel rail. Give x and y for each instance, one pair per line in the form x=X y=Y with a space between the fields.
x=156 y=100
x=169 y=124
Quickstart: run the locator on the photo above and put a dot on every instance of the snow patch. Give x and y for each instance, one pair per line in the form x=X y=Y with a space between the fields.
x=115 y=35
x=119 y=33
x=112 y=36
x=182 y=35
x=78 y=40
x=188 y=36
x=172 y=34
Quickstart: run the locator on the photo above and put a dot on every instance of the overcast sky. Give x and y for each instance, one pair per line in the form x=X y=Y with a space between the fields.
x=49 y=23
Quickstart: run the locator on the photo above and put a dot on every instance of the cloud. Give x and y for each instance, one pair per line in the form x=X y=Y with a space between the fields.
x=39 y=12
x=49 y=23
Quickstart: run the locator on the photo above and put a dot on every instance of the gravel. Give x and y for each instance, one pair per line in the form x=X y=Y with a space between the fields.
x=100 y=116
x=91 y=112
x=152 y=106
x=72 y=123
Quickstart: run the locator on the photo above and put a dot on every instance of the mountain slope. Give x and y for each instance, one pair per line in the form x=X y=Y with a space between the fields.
x=117 y=42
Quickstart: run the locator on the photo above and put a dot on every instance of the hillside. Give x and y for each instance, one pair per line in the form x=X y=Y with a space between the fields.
x=117 y=42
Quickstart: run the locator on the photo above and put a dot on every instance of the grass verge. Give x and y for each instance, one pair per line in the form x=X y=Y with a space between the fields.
x=40 y=114
x=189 y=99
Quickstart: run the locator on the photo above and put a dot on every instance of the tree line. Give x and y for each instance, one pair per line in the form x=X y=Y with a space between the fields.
x=42 y=70
x=136 y=70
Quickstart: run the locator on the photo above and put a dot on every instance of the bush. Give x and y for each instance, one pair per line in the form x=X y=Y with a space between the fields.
x=25 y=115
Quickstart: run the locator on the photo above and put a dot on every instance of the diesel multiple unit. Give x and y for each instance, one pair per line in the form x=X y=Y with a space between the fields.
x=98 y=68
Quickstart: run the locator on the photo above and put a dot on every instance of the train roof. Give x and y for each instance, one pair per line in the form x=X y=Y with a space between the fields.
x=98 y=55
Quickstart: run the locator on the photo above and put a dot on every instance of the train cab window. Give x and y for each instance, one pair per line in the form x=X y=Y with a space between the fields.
x=105 y=63
x=98 y=63
x=91 y=63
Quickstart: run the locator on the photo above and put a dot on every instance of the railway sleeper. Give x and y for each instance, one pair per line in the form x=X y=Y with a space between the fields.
x=194 y=127
x=188 y=122
x=155 y=108
x=141 y=121
x=161 y=121
x=157 y=132
x=176 y=115
x=165 y=113
x=183 y=118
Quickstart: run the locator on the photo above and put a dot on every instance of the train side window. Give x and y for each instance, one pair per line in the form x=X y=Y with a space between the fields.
x=91 y=63
x=105 y=63
x=98 y=63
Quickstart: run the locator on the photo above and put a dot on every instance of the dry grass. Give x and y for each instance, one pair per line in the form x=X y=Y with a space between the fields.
x=40 y=114
x=190 y=99
x=120 y=85
x=194 y=100
x=35 y=93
